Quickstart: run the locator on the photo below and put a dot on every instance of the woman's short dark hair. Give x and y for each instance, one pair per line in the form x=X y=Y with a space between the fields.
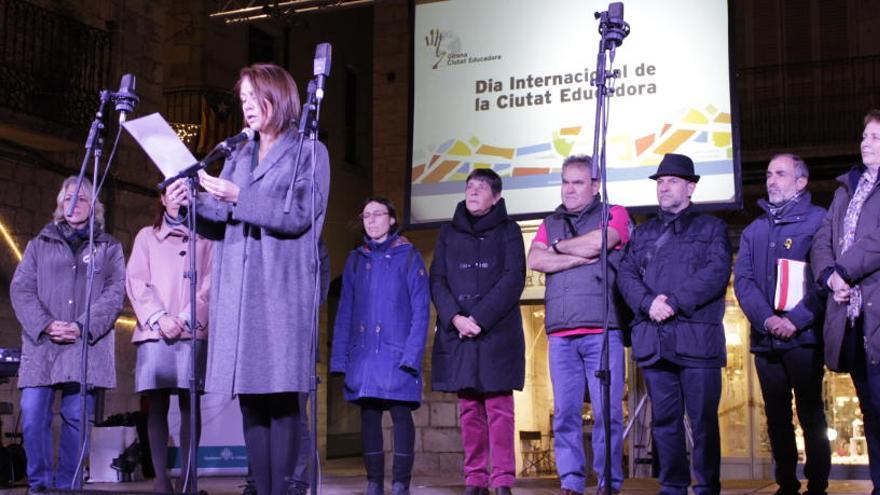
x=488 y=176
x=872 y=116
x=392 y=213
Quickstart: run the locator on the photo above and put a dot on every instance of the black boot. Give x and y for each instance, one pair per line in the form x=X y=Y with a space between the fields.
x=402 y=473
x=503 y=490
x=374 y=462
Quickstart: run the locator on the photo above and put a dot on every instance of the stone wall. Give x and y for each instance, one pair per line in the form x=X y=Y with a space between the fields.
x=33 y=167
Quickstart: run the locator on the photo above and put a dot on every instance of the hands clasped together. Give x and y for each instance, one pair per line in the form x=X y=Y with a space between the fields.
x=62 y=332
x=841 y=290
x=467 y=326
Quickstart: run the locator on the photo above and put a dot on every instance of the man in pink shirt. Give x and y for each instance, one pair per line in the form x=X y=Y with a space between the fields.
x=566 y=248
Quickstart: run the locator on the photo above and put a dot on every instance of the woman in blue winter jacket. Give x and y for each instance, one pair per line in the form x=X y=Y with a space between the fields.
x=379 y=339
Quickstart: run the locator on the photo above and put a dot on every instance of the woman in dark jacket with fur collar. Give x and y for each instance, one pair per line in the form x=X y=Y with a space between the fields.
x=477 y=277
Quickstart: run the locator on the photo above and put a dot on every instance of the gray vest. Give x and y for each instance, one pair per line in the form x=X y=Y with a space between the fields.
x=573 y=297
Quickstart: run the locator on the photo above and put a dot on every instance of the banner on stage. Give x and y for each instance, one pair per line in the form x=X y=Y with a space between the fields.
x=505 y=84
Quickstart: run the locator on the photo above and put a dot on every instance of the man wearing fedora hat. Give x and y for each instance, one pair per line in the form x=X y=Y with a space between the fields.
x=674 y=276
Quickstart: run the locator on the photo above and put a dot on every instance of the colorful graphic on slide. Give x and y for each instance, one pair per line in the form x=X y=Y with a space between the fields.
x=704 y=132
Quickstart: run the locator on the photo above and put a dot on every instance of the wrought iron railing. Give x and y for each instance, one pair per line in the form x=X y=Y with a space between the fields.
x=51 y=66
x=808 y=104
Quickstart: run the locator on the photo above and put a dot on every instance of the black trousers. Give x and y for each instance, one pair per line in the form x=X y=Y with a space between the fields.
x=674 y=390
x=271 y=437
x=800 y=370
x=866 y=379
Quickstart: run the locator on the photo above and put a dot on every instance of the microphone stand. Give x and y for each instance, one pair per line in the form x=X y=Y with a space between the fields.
x=192 y=478
x=220 y=152
x=94 y=147
x=610 y=38
x=308 y=128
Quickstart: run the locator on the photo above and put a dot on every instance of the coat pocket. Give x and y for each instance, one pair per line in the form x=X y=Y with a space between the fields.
x=644 y=340
x=699 y=340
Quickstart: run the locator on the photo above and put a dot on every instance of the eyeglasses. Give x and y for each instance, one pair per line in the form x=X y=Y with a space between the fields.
x=378 y=214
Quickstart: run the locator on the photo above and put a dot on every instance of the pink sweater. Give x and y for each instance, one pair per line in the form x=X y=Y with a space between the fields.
x=155 y=283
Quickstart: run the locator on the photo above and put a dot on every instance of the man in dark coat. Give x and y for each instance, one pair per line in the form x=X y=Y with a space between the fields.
x=846 y=259
x=477 y=278
x=674 y=276
x=567 y=248
x=785 y=337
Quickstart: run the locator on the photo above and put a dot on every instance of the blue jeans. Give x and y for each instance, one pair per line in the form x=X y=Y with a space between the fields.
x=36 y=416
x=573 y=364
x=675 y=390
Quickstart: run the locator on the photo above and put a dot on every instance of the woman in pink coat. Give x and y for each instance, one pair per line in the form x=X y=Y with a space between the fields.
x=159 y=294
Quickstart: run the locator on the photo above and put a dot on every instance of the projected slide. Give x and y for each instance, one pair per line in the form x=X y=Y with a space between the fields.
x=505 y=84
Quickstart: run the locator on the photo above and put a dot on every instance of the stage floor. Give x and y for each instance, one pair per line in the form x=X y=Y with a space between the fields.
x=345 y=476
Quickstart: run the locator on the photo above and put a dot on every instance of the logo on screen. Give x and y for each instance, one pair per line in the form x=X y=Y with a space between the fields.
x=445 y=49
x=445 y=46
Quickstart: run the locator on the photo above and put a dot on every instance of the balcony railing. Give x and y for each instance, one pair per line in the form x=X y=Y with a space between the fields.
x=809 y=104
x=51 y=66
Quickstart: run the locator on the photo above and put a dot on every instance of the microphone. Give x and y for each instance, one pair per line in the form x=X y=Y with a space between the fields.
x=222 y=150
x=612 y=27
x=246 y=134
x=125 y=98
x=323 y=54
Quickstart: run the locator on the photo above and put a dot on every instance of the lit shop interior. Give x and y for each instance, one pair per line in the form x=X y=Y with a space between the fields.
x=745 y=447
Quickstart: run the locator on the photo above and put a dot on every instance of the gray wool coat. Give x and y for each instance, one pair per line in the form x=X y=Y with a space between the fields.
x=50 y=284
x=263 y=292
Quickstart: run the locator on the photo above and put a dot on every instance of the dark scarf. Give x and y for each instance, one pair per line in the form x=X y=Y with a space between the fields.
x=778 y=212
x=73 y=237
x=667 y=217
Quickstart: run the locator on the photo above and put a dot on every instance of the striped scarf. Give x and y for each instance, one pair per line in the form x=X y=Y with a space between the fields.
x=850 y=221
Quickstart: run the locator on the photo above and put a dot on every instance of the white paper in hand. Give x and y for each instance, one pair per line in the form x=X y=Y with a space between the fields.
x=161 y=144
x=790 y=277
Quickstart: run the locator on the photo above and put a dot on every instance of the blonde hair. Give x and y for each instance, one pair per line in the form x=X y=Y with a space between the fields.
x=87 y=190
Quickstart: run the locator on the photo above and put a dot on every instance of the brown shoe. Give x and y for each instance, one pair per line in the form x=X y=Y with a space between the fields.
x=566 y=491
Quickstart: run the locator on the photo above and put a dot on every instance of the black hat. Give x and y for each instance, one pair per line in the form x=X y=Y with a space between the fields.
x=678 y=166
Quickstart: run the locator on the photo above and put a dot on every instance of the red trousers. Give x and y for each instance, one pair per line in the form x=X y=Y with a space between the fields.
x=487 y=429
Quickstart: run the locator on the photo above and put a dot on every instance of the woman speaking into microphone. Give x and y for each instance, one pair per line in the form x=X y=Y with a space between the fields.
x=263 y=277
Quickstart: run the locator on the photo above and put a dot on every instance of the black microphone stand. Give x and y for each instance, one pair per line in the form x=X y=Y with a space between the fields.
x=94 y=148
x=190 y=174
x=310 y=125
x=308 y=128
x=192 y=474
x=611 y=37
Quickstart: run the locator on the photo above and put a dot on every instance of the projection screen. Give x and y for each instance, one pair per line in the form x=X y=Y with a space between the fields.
x=505 y=84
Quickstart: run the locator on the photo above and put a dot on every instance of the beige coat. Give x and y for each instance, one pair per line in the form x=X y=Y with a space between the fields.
x=155 y=280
